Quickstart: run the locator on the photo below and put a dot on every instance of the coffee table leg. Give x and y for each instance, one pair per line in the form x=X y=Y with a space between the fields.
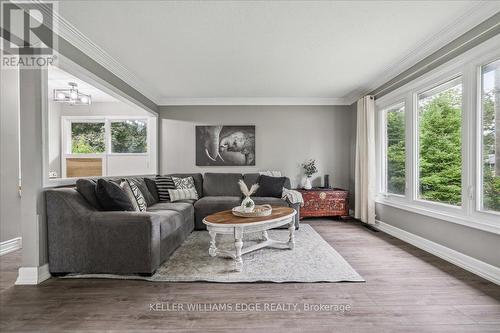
x=291 y=238
x=213 y=248
x=238 y=244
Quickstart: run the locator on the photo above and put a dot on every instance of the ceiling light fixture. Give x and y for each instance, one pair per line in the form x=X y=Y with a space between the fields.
x=71 y=96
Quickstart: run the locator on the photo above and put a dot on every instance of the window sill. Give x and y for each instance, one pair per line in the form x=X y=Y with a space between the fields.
x=467 y=221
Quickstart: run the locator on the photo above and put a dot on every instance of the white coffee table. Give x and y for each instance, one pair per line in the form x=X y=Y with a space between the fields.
x=226 y=223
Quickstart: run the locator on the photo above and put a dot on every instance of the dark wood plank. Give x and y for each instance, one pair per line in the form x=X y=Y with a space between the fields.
x=406 y=290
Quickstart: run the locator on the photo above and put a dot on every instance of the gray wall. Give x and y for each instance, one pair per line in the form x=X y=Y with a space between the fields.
x=285 y=137
x=10 y=225
x=484 y=246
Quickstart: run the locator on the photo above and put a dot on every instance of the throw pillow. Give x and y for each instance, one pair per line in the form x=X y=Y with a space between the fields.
x=141 y=184
x=184 y=183
x=151 y=184
x=183 y=194
x=112 y=197
x=86 y=188
x=138 y=196
x=126 y=188
x=163 y=184
x=270 y=186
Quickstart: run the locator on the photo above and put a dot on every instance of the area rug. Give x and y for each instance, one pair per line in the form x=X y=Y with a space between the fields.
x=312 y=260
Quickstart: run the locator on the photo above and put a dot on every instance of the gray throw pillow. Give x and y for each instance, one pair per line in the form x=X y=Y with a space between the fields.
x=270 y=186
x=151 y=185
x=112 y=197
x=87 y=189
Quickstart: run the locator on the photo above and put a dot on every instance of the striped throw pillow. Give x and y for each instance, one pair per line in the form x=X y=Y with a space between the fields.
x=138 y=196
x=183 y=194
x=163 y=184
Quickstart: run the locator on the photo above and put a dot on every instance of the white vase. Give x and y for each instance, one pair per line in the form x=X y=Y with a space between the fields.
x=307 y=183
x=247 y=205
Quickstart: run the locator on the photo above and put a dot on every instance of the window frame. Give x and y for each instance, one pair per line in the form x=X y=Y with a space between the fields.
x=445 y=78
x=479 y=141
x=123 y=119
x=381 y=120
x=107 y=120
x=67 y=135
x=468 y=65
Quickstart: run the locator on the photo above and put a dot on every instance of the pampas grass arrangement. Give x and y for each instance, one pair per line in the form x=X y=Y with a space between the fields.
x=244 y=188
x=247 y=204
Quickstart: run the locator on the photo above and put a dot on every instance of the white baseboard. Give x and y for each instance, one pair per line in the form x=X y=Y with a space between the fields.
x=10 y=245
x=33 y=275
x=478 y=267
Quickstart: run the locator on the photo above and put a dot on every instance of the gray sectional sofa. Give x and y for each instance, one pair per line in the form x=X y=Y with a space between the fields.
x=84 y=239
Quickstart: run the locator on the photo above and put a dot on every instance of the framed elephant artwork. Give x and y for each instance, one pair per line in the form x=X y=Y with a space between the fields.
x=225 y=145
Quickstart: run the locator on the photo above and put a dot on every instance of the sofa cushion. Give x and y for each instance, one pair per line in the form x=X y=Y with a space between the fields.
x=183 y=208
x=141 y=184
x=173 y=221
x=270 y=201
x=112 y=197
x=151 y=184
x=198 y=180
x=221 y=184
x=209 y=205
x=270 y=186
x=87 y=189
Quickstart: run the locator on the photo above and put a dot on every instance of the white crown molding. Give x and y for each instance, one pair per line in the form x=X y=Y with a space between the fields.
x=70 y=33
x=33 y=275
x=11 y=245
x=253 y=101
x=477 y=14
x=478 y=267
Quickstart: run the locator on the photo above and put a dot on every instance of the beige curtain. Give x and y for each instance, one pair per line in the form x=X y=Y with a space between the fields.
x=365 y=161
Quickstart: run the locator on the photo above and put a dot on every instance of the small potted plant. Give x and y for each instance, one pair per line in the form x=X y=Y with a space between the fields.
x=309 y=170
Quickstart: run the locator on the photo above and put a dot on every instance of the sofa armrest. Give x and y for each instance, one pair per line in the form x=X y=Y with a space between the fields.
x=124 y=242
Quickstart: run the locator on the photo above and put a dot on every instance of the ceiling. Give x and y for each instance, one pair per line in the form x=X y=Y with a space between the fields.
x=58 y=79
x=235 y=50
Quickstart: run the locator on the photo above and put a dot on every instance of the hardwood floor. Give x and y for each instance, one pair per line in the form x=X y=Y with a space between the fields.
x=406 y=290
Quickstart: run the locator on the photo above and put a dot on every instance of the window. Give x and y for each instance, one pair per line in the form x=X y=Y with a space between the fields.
x=129 y=136
x=490 y=147
x=440 y=143
x=88 y=138
x=452 y=158
x=395 y=152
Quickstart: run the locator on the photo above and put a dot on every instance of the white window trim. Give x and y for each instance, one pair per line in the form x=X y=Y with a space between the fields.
x=468 y=65
x=107 y=120
x=66 y=141
x=381 y=121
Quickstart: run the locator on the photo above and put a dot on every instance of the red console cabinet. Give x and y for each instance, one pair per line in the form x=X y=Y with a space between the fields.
x=324 y=202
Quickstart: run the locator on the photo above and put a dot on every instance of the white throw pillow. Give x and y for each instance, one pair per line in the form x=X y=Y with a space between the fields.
x=183 y=194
